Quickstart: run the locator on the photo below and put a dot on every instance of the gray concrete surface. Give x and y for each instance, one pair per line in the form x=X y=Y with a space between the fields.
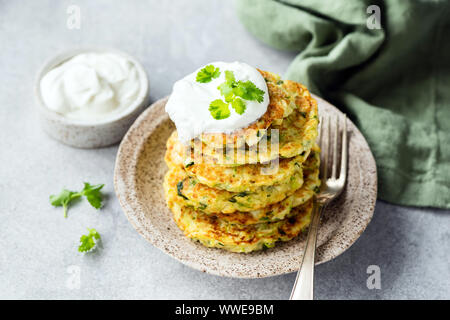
x=38 y=255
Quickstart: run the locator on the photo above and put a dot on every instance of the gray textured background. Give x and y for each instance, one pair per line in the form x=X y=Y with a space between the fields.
x=170 y=38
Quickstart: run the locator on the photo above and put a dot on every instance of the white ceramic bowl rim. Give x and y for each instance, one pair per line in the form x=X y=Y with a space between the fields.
x=66 y=55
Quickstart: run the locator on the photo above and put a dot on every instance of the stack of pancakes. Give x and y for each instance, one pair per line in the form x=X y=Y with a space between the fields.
x=247 y=190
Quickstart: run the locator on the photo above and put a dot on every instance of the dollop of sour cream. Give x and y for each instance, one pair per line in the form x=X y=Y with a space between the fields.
x=91 y=86
x=188 y=105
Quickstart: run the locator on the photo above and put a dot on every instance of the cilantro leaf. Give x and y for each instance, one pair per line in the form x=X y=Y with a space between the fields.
x=207 y=73
x=227 y=91
x=93 y=194
x=89 y=242
x=219 y=109
x=248 y=91
x=229 y=77
x=225 y=88
x=234 y=92
x=238 y=105
x=63 y=199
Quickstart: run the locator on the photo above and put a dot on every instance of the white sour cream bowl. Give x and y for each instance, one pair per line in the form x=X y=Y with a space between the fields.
x=89 y=97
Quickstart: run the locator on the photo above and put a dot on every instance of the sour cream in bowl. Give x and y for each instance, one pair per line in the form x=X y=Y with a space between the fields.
x=89 y=98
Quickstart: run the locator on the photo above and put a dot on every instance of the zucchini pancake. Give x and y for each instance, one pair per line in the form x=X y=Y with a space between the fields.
x=285 y=97
x=246 y=190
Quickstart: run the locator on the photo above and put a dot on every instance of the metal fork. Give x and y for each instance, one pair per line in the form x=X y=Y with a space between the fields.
x=330 y=188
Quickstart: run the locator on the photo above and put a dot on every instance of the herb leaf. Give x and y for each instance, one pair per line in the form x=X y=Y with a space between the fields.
x=234 y=92
x=238 y=105
x=229 y=76
x=63 y=199
x=226 y=90
x=93 y=194
x=219 y=109
x=207 y=73
x=188 y=164
x=248 y=91
x=179 y=188
x=89 y=242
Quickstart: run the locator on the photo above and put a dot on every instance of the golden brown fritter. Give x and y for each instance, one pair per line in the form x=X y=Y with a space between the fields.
x=248 y=177
x=212 y=200
x=270 y=213
x=214 y=232
x=296 y=134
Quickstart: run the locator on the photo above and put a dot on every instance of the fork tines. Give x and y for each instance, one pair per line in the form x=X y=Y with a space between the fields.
x=330 y=151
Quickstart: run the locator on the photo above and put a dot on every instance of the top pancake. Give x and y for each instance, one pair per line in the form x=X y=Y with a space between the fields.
x=295 y=135
x=285 y=97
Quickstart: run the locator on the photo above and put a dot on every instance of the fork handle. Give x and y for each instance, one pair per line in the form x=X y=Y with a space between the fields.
x=303 y=286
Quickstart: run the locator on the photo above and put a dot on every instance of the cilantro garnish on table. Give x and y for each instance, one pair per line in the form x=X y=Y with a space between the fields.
x=65 y=197
x=93 y=194
x=89 y=242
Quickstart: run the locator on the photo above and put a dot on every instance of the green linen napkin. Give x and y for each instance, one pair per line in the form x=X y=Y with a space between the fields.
x=393 y=82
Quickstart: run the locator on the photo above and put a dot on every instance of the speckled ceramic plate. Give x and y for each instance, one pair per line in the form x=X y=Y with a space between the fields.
x=138 y=179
